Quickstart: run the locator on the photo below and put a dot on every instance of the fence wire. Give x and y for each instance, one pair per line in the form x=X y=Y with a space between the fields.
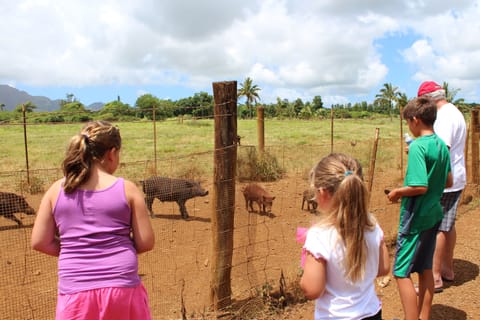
x=177 y=272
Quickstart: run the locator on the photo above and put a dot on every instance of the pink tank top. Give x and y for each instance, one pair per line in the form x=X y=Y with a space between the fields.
x=95 y=246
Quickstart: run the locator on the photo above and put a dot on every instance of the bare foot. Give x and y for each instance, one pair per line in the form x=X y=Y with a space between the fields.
x=448 y=276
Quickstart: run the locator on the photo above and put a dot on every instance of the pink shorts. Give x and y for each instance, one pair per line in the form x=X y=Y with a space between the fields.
x=104 y=304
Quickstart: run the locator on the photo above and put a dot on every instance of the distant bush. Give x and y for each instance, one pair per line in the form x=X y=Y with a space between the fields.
x=360 y=114
x=253 y=166
x=78 y=118
x=56 y=118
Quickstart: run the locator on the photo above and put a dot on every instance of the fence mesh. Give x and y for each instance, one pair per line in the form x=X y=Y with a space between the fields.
x=177 y=272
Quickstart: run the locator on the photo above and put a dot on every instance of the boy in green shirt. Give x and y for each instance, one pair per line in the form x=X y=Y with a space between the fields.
x=428 y=173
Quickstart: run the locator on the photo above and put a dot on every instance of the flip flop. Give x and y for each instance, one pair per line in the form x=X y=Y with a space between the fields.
x=438 y=289
x=447 y=280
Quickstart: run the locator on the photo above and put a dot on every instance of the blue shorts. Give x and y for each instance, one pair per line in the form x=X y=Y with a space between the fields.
x=414 y=252
x=449 y=202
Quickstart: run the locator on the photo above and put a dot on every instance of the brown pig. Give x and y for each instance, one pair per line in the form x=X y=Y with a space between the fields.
x=309 y=199
x=255 y=193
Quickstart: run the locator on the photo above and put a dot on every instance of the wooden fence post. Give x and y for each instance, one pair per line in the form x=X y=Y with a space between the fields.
x=261 y=129
x=25 y=142
x=154 y=120
x=373 y=159
x=475 y=129
x=223 y=205
x=402 y=143
x=332 y=116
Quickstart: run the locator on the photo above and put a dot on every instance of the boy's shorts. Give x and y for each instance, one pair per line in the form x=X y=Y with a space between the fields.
x=449 y=202
x=414 y=252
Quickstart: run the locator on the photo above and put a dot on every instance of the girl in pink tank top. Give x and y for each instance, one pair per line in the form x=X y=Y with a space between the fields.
x=102 y=225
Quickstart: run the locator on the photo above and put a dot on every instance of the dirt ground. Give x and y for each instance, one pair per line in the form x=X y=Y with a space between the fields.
x=459 y=298
x=177 y=272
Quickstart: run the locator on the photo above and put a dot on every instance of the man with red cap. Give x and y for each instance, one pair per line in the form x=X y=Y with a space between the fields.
x=450 y=126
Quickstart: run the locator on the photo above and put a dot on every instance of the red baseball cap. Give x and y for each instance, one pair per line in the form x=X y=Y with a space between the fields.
x=428 y=87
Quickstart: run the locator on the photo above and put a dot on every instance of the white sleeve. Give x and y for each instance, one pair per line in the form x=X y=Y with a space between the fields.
x=317 y=243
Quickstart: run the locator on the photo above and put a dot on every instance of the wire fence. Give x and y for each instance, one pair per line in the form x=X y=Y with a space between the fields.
x=177 y=273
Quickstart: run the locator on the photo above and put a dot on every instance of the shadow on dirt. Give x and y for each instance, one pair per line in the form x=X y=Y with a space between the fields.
x=465 y=271
x=440 y=311
x=270 y=215
x=179 y=217
x=14 y=227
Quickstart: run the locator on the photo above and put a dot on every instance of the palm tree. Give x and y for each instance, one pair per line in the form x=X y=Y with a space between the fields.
x=388 y=94
x=402 y=100
x=250 y=92
x=28 y=106
x=450 y=96
x=2 y=106
x=449 y=93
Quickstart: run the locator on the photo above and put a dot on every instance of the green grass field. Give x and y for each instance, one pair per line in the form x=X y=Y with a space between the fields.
x=46 y=143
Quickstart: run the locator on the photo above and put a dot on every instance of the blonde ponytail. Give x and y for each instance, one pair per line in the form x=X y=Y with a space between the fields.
x=342 y=176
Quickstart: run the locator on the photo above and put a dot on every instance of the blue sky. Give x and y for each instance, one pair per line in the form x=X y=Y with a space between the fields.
x=342 y=50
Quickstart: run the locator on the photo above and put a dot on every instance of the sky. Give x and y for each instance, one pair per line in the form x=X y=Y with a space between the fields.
x=342 y=50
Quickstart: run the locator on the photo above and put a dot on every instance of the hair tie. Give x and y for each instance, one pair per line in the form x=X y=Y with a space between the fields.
x=85 y=137
x=347 y=173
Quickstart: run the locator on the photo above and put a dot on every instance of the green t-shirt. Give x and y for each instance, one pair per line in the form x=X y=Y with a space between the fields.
x=428 y=166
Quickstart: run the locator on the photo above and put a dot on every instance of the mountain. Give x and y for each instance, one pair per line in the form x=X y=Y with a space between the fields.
x=12 y=97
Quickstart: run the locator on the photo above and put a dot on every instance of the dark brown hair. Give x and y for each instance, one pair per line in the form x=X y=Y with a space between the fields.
x=423 y=108
x=91 y=144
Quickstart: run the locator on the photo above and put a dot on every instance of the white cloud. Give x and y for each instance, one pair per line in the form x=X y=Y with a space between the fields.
x=291 y=47
x=448 y=50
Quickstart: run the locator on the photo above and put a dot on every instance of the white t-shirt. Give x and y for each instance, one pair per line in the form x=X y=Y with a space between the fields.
x=450 y=126
x=343 y=299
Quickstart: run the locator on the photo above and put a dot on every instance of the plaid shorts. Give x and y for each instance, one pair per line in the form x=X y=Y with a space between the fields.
x=449 y=203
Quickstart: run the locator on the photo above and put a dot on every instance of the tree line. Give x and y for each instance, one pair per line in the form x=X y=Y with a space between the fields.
x=388 y=102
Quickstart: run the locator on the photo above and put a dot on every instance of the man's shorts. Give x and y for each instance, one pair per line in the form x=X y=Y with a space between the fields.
x=449 y=202
x=414 y=252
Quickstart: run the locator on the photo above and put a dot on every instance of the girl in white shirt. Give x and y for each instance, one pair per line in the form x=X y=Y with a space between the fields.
x=345 y=250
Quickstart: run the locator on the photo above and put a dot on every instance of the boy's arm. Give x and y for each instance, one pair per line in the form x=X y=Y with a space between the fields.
x=409 y=191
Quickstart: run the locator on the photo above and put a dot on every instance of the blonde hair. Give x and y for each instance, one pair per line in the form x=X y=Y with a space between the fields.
x=341 y=176
x=91 y=144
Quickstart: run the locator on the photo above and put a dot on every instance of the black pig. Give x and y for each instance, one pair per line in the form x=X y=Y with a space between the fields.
x=11 y=203
x=169 y=189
